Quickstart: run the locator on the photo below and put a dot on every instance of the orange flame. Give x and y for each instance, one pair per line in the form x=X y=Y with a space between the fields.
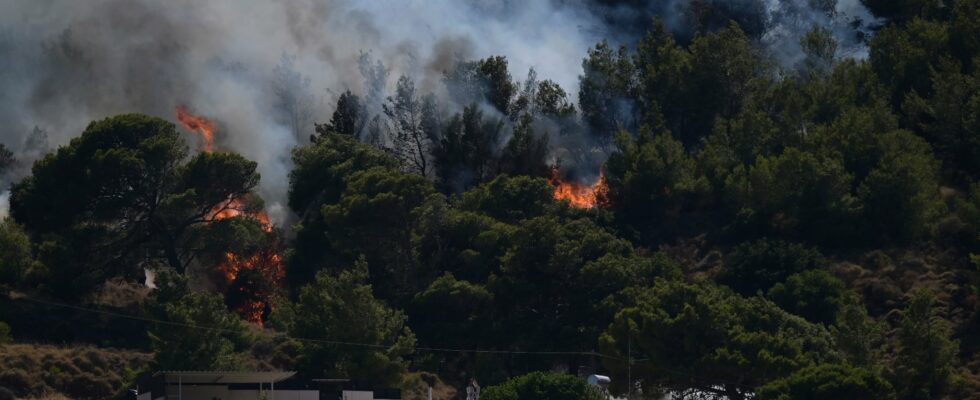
x=578 y=194
x=198 y=124
x=249 y=295
x=253 y=296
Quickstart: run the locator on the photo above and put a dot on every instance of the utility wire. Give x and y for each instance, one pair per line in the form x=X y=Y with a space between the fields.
x=372 y=345
x=312 y=340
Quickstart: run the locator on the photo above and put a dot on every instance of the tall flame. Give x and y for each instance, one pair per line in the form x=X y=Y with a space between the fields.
x=249 y=295
x=198 y=124
x=579 y=194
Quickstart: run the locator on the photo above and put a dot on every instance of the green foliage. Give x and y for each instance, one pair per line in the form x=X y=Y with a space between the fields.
x=5 y=333
x=200 y=333
x=950 y=117
x=348 y=118
x=466 y=152
x=526 y=151
x=757 y=266
x=652 y=182
x=828 y=382
x=605 y=90
x=342 y=308
x=543 y=386
x=924 y=363
x=859 y=337
x=15 y=253
x=815 y=295
x=123 y=191
x=701 y=337
x=510 y=199
x=900 y=195
x=724 y=68
x=903 y=55
x=482 y=80
x=320 y=178
x=376 y=217
x=455 y=312
x=795 y=194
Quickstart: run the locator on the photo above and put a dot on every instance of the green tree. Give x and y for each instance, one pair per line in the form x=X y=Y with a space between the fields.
x=341 y=308
x=199 y=333
x=756 y=266
x=796 y=194
x=725 y=67
x=15 y=253
x=950 y=118
x=121 y=193
x=652 y=183
x=900 y=195
x=820 y=49
x=320 y=178
x=348 y=118
x=924 y=363
x=828 y=382
x=815 y=295
x=453 y=313
x=606 y=91
x=466 y=153
x=543 y=386
x=902 y=56
x=705 y=338
x=664 y=70
x=510 y=199
x=526 y=151
x=482 y=80
x=377 y=216
x=859 y=337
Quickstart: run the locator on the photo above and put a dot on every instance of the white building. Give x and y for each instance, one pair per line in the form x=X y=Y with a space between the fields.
x=232 y=385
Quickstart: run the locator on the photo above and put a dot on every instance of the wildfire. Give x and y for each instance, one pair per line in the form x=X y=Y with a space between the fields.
x=578 y=194
x=198 y=124
x=249 y=294
x=250 y=280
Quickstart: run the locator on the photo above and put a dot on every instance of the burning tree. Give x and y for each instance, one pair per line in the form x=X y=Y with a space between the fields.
x=248 y=267
x=125 y=196
x=579 y=194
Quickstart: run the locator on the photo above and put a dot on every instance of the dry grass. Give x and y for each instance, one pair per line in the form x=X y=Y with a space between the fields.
x=417 y=384
x=82 y=372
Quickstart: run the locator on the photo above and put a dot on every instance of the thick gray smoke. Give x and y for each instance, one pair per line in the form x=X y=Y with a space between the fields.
x=265 y=70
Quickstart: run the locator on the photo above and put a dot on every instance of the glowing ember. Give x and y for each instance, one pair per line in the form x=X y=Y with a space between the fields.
x=249 y=295
x=252 y=281
x=199 y=124
x=249 y=280
x=578 y=194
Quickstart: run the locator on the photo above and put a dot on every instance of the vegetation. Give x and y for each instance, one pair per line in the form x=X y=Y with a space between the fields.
x=759 y=231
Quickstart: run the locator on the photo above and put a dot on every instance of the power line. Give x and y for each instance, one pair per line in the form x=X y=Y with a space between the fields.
x=314 y=340
x=629 y=358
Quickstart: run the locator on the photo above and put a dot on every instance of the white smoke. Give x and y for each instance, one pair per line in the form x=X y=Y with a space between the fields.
x=66 y=63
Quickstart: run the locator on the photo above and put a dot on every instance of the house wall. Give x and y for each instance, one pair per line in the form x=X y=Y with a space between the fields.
x=278 y=395
x=192 y=392
x=357 y=395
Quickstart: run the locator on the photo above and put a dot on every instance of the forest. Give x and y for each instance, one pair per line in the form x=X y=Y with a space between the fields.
x=699 y=219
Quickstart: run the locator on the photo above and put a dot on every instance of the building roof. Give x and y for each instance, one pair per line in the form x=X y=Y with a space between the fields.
x=224 y=376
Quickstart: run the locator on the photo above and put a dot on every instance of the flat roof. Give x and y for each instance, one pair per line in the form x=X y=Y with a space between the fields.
x=224 y=376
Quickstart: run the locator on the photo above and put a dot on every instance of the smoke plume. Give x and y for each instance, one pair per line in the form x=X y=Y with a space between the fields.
x=266 y=70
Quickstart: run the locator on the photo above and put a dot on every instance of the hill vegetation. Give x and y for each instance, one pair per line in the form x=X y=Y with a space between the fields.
x=757 y=231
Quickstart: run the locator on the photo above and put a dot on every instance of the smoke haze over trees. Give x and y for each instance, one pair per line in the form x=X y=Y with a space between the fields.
x=772 y=199
x=263 y=69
